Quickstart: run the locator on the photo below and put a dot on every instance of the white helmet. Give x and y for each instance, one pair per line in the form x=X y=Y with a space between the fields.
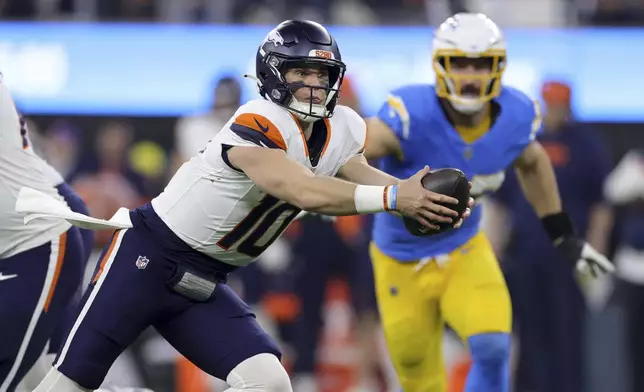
x=468 y=35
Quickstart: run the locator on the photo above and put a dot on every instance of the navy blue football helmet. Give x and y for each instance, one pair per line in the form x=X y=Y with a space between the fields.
x=298 y=44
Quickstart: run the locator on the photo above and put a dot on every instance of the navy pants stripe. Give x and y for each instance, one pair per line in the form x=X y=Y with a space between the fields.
x=87 y=238
x=33 y=301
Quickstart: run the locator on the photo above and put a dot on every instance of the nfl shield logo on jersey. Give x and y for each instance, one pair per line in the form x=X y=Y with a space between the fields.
x=142 y=262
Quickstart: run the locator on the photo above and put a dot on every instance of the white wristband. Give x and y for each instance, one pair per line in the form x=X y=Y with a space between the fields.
x=371 y=199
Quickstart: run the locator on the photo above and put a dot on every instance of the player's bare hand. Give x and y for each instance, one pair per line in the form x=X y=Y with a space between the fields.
x=417 y=202
x=468 y=211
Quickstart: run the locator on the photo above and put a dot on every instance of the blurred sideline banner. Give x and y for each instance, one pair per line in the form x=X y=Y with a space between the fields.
x=168 y=70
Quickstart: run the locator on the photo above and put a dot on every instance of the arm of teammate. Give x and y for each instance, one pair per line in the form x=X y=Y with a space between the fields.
x=288 y=180
x=537 y=179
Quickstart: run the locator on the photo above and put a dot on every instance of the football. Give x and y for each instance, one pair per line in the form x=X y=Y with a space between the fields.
x=450 y=182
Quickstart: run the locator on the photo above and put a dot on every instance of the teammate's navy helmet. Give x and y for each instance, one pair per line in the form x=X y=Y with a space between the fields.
x=292 y=44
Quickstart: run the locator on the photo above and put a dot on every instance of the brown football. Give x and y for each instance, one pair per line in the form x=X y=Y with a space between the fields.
x=450 y=182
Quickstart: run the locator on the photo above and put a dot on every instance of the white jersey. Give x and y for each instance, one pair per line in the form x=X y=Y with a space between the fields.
x=218 y=210
x=21 y=167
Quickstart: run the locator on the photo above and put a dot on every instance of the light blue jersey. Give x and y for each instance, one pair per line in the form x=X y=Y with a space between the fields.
x=427 y=137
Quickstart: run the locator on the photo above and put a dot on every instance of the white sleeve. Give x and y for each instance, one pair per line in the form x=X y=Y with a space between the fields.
x=357 y=130
x=13 y=132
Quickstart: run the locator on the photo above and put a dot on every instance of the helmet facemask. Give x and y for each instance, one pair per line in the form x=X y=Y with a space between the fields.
x=468 y=81
x=284 y=93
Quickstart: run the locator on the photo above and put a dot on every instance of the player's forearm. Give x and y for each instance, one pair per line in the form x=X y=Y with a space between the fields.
x=539 y=186
x=325 y=195
x=358 y=171
x=321 y=195
x=289 y=181
x=377 y=177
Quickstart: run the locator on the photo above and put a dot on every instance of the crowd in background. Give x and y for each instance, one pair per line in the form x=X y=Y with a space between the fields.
x=546 y=13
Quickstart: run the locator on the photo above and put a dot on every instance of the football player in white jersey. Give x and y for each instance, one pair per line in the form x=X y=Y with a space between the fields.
x=41 y=265
x=293 y=150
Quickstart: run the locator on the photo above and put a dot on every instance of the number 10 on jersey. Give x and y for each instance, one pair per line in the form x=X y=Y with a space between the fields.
x=264 y=218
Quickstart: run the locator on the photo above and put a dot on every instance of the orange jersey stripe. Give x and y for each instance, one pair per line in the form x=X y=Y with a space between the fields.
x=62 y=245
x=263 y=126
x=297 y=122
x=106 y=257
x=327 y=123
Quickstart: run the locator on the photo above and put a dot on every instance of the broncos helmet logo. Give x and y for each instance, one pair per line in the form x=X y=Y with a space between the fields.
x=274 y=37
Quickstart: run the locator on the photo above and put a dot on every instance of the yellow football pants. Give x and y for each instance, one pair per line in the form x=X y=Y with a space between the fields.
x=467 y=291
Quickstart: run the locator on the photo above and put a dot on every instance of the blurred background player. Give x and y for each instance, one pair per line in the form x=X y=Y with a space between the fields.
x=59 y=145
x=194 y=131
x=547 y=300
x=41 y=264
x=468 y=120
x=624 y=189
x=74 y=201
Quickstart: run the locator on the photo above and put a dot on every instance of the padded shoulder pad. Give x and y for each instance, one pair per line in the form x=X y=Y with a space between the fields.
x=263 y=123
